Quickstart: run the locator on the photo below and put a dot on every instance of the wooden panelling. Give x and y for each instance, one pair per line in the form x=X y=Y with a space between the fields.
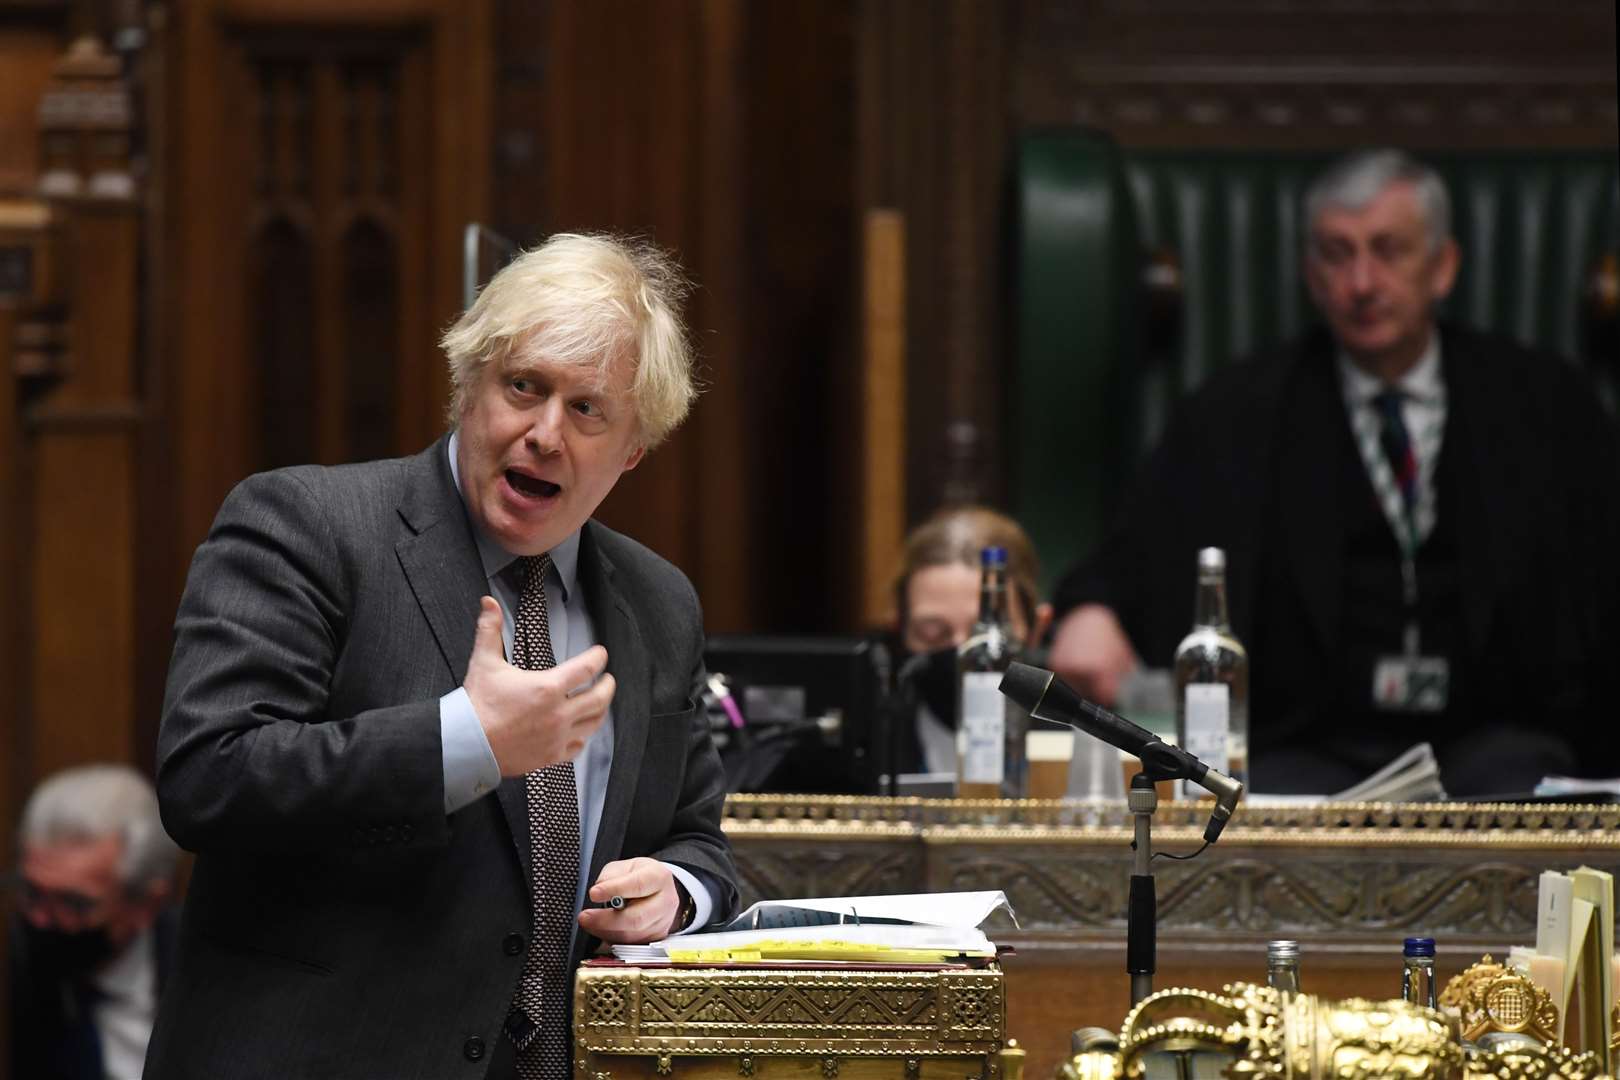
x=26 y=55
x=81 y=439
x=882 y=476
x=720 y=130
x=327 y=160
x=932 y=124
x=945 y=87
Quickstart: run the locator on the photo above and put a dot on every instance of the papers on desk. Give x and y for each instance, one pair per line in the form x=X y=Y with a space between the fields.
x=1576 y=789
x=927 y=928
x=1414 y=776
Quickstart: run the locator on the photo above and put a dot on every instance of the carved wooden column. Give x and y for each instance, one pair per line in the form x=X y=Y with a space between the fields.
x=79 y=413
x=932 y=127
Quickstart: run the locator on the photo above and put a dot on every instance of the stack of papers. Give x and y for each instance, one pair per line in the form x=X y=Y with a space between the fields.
x=1574 y=958
x=1576 y=789
x=927 y=928
x=1414 y=776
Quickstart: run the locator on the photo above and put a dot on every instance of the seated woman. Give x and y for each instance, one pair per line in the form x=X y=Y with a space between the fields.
x=936 y=594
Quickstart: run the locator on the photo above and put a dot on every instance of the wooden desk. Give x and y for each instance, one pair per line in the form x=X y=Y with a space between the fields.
x=1348 y=880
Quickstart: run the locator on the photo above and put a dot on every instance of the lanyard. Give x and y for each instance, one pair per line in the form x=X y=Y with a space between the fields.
x=1409 y=526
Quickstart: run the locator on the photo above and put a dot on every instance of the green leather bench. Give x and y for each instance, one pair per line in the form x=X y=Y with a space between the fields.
x=1137 y=273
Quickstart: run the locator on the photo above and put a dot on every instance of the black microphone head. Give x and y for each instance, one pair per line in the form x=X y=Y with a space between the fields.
x=1025 y=685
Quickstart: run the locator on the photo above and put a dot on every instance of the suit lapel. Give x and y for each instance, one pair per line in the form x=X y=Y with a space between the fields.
x=440 y=559
x=1309 y=452
x=617 y=630
x=441 y=563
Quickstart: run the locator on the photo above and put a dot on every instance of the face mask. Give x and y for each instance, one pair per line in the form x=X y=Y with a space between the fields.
x=932 y=678
x=74 y=953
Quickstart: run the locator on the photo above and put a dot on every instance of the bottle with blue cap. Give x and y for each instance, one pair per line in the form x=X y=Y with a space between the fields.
x=1417 y=977
x=992 y=760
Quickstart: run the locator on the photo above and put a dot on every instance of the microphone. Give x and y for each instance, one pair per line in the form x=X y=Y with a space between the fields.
x=1041 y=693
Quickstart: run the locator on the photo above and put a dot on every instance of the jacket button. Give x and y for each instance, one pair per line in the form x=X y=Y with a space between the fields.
x=512 y=944
x=406 y=831
x=473 y=1049
x=389 y=834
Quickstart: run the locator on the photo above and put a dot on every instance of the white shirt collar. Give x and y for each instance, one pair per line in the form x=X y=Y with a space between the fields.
x=564 y=556
x=1423 y=382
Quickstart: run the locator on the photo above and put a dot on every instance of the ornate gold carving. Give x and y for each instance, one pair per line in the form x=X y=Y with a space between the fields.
x=828 y=1014
x=1091 y=1065
x=1531 y=1061
x=745 y=1066
x=607 y=1004
x=1341 y=824
x=1241 y=1024
x=1467 y=871
x=829 y=1068
x=666 y=1065
x=1491 y=997
x=1254 y=1032
x=1359 y=1038
x=1260 y=1034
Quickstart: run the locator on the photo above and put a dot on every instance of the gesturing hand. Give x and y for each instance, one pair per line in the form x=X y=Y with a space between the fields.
x=534 y=718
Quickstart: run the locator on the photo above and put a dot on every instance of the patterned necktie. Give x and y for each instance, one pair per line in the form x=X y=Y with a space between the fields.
x=538 y=1023
x=1396 y=443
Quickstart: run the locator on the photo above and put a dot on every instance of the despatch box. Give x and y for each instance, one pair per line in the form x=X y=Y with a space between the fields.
x=771 y=1022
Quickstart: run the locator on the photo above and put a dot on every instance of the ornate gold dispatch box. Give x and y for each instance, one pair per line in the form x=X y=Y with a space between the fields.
x=771 y=1023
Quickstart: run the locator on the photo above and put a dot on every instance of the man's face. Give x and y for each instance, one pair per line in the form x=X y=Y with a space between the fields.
x=541 y=445
x=76 y=886
x=942 y=604
x=1376 y=277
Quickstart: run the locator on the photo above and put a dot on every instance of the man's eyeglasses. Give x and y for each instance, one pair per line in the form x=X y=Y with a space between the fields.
x=34 y=898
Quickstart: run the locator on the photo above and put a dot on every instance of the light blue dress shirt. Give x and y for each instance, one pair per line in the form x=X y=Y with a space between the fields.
x=470 y=769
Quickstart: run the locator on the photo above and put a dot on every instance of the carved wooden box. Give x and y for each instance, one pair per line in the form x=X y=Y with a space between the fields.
x=765 y=1023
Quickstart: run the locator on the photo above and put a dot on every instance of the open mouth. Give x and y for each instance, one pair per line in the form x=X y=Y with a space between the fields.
x=531 y=486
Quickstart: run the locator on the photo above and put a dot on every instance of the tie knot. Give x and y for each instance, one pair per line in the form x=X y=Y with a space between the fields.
x=534 y=569
x=1388 y=401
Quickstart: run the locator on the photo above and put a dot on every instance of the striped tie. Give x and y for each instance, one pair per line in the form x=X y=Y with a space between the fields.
x=538 y=1023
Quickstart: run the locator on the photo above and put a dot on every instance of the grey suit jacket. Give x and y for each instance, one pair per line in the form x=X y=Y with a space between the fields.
x=338 y=922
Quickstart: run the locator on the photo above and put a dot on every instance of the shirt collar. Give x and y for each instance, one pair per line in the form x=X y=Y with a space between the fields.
x=564 y=557
x=1423 y=383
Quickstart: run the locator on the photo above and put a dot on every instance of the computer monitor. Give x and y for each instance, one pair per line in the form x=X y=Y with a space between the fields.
x=812 y=710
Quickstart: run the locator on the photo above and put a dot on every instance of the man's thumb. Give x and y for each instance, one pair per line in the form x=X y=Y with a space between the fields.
x=487 y=641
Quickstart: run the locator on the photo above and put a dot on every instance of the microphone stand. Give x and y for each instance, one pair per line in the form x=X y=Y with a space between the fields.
x=1159 y=762
x=1142 y=912
x=1043 y=695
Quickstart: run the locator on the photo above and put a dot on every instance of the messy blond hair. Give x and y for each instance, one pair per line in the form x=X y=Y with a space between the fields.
x=584 y=300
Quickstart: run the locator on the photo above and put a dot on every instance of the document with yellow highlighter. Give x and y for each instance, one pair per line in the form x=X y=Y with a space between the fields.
x=922 y=928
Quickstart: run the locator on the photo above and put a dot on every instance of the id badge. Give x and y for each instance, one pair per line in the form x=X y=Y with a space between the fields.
x=1420 y=684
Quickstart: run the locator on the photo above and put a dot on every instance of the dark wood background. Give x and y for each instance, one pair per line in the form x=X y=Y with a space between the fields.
x=262 y=278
